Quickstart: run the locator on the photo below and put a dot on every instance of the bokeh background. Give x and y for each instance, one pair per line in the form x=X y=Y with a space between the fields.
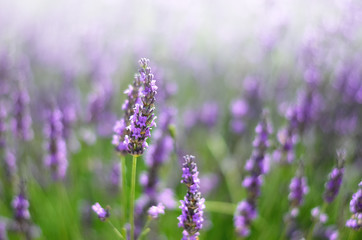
x=219 y=64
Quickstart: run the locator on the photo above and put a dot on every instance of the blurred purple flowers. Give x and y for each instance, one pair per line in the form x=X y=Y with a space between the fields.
x=101 y=213
x=297 y=190
x=355 y=206
x=256 y=167
x=56 y=158
x=154 y=211
x=21 y=208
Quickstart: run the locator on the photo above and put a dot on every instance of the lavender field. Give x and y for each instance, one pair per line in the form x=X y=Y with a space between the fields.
x=181 y=120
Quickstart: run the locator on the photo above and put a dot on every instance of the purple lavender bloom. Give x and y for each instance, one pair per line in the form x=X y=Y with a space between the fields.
x=238 y=108
x=56 y=148
x=102 y=214
x=355 y=206
x=356 y=202
x=209 y=114
x=3 y=115
x=355 y=222
x=287 y=138
x=331 y=233
x=318 y=215
x=21 y=208
x=3 y=231
x=139 y=132
x=193 y=205
x=22 y=120
x=298 y=189
x=154 y=211
x=243 y=217
x=255 y=166
x=333 y=185
x=120 y=129
x=10 y=163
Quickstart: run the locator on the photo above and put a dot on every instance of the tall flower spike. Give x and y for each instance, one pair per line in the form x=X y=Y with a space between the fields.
x=256 y=167
x=335 y=179
x=56 y=148
x=120 y=129
x=143 y=118
x=3 y=115
x=298 y=189
x=355 y=206
x=192 y=206
x=22 y=118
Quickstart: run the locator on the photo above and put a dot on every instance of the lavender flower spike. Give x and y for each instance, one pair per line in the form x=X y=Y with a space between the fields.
x=22 y=119
x=3 y=115
x=102 y=214
x=256 y=167
x=335 y=179
x=56 y=159
x=355 y=206
x=120 y=130
x=298 y=189
x=193 y=205
x=143 y=119
x=21 y=208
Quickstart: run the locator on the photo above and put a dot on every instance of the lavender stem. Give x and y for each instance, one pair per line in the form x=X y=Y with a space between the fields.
x=123 y=192
x=115 y=230
x=145 y=229
x=132 y=197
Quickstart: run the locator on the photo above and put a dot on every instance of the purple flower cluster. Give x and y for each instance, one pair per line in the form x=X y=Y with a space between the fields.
x=101 y=213
x=3 y=115
x=247 y=107
x=256 y=167
x=355 y=206
x=22 y=120
x=154 y=211
x=10 y=163
x=3 y=231
x=318 y=215
x=298 y=189
x=287 y=138
x=21 y=208
x=142 y=119
x=333 y=184
x=56 y=148
x=193 y=205
x=238 y=108
x=120 y=129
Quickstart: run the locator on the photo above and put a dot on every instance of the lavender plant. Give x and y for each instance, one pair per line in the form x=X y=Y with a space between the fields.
x=256 y=167
x=22 y=119
x=334 y=182
x=193 y=205
x=56 y=158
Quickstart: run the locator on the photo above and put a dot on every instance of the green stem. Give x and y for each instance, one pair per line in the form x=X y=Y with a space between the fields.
x=123 y=190
x=145 y=229
x=115 y=230
x=220 y=207
x=132 y=197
